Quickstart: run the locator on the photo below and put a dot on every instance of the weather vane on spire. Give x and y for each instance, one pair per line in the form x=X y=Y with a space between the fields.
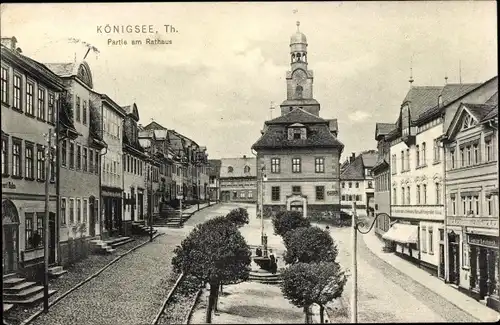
x=298 y=24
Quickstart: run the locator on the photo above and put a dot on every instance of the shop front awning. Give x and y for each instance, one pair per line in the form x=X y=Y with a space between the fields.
x=402 y=233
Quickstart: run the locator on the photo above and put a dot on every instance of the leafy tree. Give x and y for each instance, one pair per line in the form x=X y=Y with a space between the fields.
x=305 y=284
x=239 y=217
x=284 y=221
x=309 y=245
x=216 y=253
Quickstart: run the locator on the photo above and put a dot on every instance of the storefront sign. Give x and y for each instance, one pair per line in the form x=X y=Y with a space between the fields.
x=472 y=222
x=487 y=241
x=421 y=212
x=9 y=185
x=332 y=193
x=112 y=194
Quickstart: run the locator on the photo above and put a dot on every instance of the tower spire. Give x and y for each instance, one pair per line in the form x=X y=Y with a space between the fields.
x=298 y=24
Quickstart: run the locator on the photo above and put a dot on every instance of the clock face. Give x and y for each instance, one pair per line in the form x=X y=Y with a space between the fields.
x=299 y=76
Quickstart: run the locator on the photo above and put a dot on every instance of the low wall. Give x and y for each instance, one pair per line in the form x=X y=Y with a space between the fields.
x=33 y=270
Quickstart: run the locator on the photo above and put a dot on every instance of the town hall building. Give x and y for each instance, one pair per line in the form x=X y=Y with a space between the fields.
x=298 y=153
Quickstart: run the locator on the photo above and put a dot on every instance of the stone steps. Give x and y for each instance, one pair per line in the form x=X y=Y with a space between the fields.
x=18 y=291
x=101 y=247
x=116 y=242
x=56 y=271
x=7 y=307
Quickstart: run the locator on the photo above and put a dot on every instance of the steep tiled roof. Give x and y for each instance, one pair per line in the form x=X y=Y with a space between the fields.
x=369 y=158
x=332 y=123
x=482 y=111
x=276 y=136
x=493 y=100
x=238 y=167
x=297 y=115
x=37 y=66
x=421 y=99
x=384 y=128
x=356 y=169
x=380 y=165
x=214 y=167
x=63 y=69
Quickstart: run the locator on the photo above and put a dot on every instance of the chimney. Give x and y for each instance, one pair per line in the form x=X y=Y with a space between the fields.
x=353 y=156
x=244 y=157
x=9 y=42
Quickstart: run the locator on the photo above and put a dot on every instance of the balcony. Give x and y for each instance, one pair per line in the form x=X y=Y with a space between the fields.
x=421 y=212
x=467 y=221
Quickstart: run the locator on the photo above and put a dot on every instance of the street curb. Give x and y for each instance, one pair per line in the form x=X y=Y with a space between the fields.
x=38 y=313
x=191 y=310
x=169 y=295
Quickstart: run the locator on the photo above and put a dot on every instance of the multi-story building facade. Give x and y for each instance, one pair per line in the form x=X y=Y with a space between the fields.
x=111 y=164
x=80 y=160
x=382 y=178
x=472 y=231
x=214 y=179
x=417 y=172
x=356 y=183
x=299 y=151
x=238 y=180
x=134 y=157
x=29 y=97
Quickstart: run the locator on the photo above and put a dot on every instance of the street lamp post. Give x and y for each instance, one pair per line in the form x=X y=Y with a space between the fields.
x=150 y=205
x=356 y=226
x=263 y=237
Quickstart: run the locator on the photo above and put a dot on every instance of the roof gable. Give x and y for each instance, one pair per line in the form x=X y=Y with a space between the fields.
x=72 y=69
x=382 y=129
x=238 y=167
x=154 y=126
x=132 y=111
x=354 y=170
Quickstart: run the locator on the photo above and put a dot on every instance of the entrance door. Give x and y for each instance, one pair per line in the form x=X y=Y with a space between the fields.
x=10 y=229
x=92 y=216
x=441 y=261
x=454 y=262
x=297 y=207
x=483 y=273
x=52 y=238
x=140 y=198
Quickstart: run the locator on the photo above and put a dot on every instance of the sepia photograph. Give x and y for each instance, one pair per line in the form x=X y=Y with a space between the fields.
x=249 y=162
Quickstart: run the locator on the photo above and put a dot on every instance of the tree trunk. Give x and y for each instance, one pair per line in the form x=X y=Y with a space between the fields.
x=212 y=299
x=321 y=314
x=306 y=313
x=217 y=299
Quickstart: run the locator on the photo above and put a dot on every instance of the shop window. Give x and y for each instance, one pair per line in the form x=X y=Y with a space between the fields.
x=431 y=241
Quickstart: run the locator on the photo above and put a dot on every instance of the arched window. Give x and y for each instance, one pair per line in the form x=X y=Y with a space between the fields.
x=350 y=184
x=247 y=169
x=298 y=91
x=370 y=184
x=229 y=169
x=343 y=184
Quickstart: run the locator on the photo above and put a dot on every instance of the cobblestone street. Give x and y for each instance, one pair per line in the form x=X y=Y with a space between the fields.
x=129 y=292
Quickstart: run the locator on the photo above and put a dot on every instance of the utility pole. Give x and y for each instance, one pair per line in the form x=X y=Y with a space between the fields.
x=46 y=225
x=150 y=205
x=354 y=298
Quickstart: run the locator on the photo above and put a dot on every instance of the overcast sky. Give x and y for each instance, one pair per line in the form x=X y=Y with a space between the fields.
x=227 y=62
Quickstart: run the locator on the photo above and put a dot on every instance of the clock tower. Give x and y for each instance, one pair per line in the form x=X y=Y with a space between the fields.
x=299 y=79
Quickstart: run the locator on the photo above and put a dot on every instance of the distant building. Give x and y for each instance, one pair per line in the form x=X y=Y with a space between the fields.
x=29 y=96
x=214 y=179
x=356 y=183
x=238 y=180
x=299 y=151
x=382 y=177
x=471 y=159
x=134 y=166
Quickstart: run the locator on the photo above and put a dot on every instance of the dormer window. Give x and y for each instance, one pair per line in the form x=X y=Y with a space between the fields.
x=229 y=169
x=297 y=132
x=247 y=169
